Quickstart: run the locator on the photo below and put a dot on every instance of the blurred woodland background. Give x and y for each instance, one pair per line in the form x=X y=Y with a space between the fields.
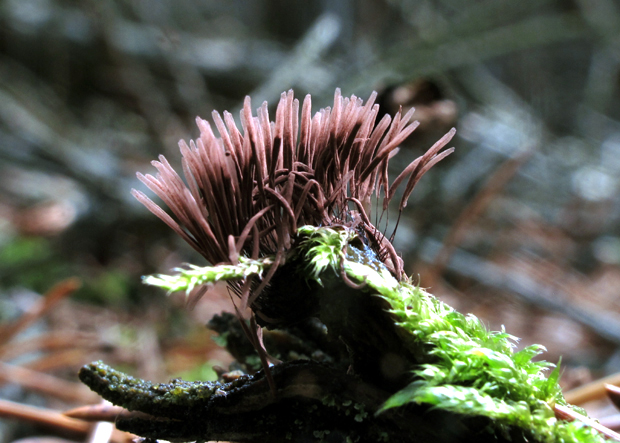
x=520 y=226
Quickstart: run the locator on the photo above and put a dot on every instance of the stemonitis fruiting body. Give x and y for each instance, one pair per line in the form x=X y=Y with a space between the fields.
x=247 y=192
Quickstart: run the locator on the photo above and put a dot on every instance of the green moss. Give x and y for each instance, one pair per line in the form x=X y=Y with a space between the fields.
x=468 y=369
x=187 y=279
x=464 y=368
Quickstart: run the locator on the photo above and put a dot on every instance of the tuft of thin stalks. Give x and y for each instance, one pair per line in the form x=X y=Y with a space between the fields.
x=246 y=192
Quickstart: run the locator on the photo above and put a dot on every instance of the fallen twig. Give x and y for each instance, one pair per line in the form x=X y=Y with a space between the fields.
x=54 y=419
x=566 y=413
x=472 y=211
x=45 y=383
x=100 y=412
x=59 y=292
x=595 y=390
